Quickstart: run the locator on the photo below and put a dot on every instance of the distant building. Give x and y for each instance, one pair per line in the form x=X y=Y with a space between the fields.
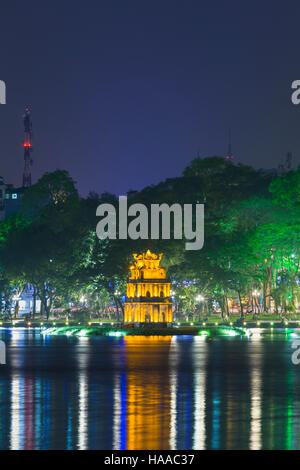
x=2 y=198
x=10 y=199
x=25 y=302
x=10 y=202
x=13 y=200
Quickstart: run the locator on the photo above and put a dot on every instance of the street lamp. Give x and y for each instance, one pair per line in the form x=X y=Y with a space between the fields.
x=199 y=298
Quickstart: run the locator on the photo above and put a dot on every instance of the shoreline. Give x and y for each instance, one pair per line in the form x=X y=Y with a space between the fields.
x=208 y=330
x=239 y=324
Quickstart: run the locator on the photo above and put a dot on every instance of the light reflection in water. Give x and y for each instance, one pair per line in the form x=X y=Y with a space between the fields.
x=173 y=392
x=38 y=412
x=117 y=412
x=199 y=355
x=256 y=392
x=83 y=358
x=16 y=407
x=148 y=393
x=15 y=443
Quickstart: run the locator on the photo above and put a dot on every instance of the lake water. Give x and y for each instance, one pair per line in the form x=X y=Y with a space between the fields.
x=149 y=392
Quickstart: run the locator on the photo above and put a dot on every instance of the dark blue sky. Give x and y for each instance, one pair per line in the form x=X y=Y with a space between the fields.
x=126 y=93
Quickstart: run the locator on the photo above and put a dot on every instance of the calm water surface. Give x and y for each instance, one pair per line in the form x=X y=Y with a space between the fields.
x=149 y=392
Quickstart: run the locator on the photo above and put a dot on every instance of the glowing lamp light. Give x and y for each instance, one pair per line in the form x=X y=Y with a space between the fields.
x=203 y=333
x=231 y=333
x=82 y=333
x=199 y=298
x=116 y=333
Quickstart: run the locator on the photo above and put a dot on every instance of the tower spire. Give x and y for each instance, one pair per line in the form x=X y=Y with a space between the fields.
x=229 y=155
x=27 y=144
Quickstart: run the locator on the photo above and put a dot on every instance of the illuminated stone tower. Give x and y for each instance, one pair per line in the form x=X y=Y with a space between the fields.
x=148 y=291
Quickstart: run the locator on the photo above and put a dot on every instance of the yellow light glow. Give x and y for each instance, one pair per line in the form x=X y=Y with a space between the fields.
x=148 y=291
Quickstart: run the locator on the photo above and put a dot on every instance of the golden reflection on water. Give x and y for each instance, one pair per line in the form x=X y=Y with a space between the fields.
x=148 y=392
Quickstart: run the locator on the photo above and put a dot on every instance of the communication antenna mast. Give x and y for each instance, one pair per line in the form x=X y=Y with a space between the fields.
x=27 y=144
x=288 y=160
x=229 y=155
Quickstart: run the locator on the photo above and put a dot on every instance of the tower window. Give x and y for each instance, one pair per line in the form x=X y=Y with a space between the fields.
x=14 y=196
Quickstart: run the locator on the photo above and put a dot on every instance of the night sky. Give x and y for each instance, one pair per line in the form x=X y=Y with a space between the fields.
x=126 y=93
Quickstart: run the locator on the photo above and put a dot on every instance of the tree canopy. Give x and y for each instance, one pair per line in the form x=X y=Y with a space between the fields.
x=252 y=231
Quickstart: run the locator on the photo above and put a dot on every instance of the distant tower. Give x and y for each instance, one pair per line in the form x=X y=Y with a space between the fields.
x=229 y=155
x=288 y=160
x=285 y=165
x=27 y=144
